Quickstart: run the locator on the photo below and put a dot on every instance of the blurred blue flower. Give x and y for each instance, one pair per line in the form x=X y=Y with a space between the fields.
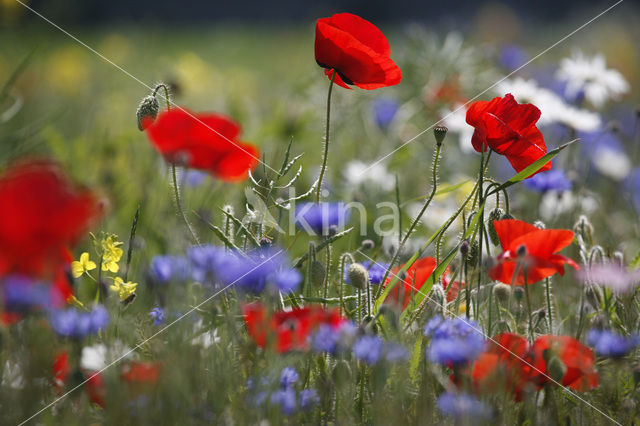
x=462 y=406
x=453 y=341
x=194 y=178
x=512 y=57
x=165 y=268
x=286 y=399
x=384 y=110
x=204 y=260
x=157 y=315
x=395 y=353
x=288 y=377
x=330 y=339
x=633 y=184
x=551 y=180
x=376 y=271
x=609 y=344
x=319 y=218
x=20 y=294
x=368 y=349
x=73 y=323
x=607 y=153
x=309 y=398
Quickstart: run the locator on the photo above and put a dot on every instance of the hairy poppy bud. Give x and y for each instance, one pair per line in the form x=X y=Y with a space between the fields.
x=318 y=272
x=539 y=224
x=464 y=248
x=495 y=214
x=440 y=132
x=358 y=275
x=556 y=368
x=472 y=258
x=584 y=228
x=618 y=257
x=147 y=112
x=518 y=292
x=265 y=242
x=367 y=245
x=502 y=292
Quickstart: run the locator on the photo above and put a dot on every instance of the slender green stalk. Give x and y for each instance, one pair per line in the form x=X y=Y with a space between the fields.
x=481 y=234
x=326 y=139
x=549 y=307
x=528 y=300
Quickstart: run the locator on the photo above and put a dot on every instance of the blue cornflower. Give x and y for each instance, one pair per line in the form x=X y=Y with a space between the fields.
x=512 y=57
x=194 y=178
x=73 y=323
x=21 y=293
x=157 y=315
x=462 y=406
x=204 y=260
x=395 y=353
x=318 y=218
x=368 y=349
x=288 y=377
x=609 y=344
x=308 y=398
x=453 y=341
x=286 y=399
x=384 y=110
x=376 y=271
x=330 y=339
x=551 y=180
x=165 y=268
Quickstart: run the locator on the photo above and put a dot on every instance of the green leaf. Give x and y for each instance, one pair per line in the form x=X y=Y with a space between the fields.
x=240 y=225
x=220 y=234
x=635 y=262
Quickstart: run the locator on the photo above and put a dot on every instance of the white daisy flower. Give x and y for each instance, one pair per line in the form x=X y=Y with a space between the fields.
x=357 y=173
x=590 y=74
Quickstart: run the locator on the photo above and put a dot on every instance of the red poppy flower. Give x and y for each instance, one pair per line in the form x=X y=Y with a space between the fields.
x=95 y=388
x=141 y=372
x=508 y=128
x=287 y=330
x=203 y=141
x=356 y=50
x=415 y=277
x=538 y=248
x=42 y=213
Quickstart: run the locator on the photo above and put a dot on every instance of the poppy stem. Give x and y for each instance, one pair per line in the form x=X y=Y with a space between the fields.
x=176 y=192
x=481 y=233
x=326 y=139
x=528 y=300
x=549 y=311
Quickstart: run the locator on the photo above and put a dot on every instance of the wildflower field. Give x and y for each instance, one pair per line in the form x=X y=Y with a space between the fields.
x=334 y=222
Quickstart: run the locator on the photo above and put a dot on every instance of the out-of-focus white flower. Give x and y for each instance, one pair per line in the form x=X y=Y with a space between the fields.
x=356 y=173
x=204 y=338
x=97 y=357
x=456 y=121
x=611 y=162
x=12 y=376
x=552 y=108
x=555 y=203
x=616 y=277
x=590 y=74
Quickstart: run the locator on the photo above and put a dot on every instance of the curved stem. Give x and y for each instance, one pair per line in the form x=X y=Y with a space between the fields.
x=326 y=139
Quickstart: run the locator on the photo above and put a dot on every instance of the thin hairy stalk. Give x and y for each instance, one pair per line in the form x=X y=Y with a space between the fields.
x=549 y=306
x=326 y=139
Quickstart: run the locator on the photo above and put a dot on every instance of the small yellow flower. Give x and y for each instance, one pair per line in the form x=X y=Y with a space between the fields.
x=111 y=254
x=125 y=290
x=79 y=267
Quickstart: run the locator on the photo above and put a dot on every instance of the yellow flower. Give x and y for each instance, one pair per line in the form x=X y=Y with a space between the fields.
x=111 y=254
x=125 y=290
x=79 y=267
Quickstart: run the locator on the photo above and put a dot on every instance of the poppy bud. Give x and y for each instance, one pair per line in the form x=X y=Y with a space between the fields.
x=464 y=248
x=367 y=245
x=265 y=242
x=502 y=292
x=147 y=112
x=618 y=257
x=556 y=369
x=318 y=272
x=358 y=275
x=539 y=224
x=583 y=227
x=440 y=132
x=518 y=292
x=472 y=258
x=495 y=214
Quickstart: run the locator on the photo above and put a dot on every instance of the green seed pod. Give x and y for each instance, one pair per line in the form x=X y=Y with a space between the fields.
x=556 y=368
x=495 y=214
x=502 y=292
x=358 y=276
x=318 y=271
x=147 y=112
x=474 y=251
x=440 y=132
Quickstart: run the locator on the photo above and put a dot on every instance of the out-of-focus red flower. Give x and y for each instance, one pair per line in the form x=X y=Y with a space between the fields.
x=141 y=372
x=415 y=277
x=356 y=50
x=287 y=330
x=538 y=248
x=42 y=214
x=203 y=141
x=60 y=370
x=508 y=128
x=510 y=364
x=96 y=391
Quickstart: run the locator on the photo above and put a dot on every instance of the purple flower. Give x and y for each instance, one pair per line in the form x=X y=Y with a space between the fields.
x=609 y=344
x=453 y=341
x=287 y=280
x=165 y=268
x=157 y=315
x=73 y=323
x=204 y=260
x=551 y=180
x=286 y=399
x=368 y=349
x=395 y=353
x=618 y=278
x=384 y=110
x=329 y=339
x=318 y=218
x=194 y=178
x=21 y=293
x=288 y=377
x=376 y=271
x=308 y=398
x=462 y=406
x=512 y=57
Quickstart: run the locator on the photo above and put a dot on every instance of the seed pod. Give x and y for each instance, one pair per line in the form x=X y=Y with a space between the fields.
x=556 y=369
x=495 y=214
x=502 y=292
x=147 y=112
x=358 y=276
x=464 y=248
x=367 y=245
x=440 y=132
x=318 y=272
x=472 y=258
x=518 y=293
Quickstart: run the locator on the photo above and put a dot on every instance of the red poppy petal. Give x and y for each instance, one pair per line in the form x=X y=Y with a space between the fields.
x=364 y=31
x=543 y=242
x=509 y=230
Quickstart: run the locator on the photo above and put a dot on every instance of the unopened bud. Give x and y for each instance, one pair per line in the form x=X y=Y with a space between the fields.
x=318 y=272
x=618 y=257
x=584 y=228
x=518 y=293
x=265 y=242
x=358 y=276
x=556 y=368
x=474 y=251
x=464 y=248
x=440 y=132
x=495 y=214
x=147 y=112
x=367 y=245
x=502 y=292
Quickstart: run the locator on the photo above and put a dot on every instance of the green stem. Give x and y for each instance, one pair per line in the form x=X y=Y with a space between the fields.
x=549 y=312
x=326 y=139
x=176 y=193
x=481 y=233
x=528 y=300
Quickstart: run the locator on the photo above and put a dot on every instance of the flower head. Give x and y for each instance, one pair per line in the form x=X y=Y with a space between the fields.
x=552 y=180
x=453 y=341
x=384 y=110
x=538 y=258
x=73 y=323
x=356 y=50
x=79 y=267
x=610 y=344
x=288 y=377
x=618 y=278
x=165 y=268
x=368 y=349
x=463 y=407
x=124 y=290
x=111 y=253
x=508 y=128
x=318 y=218
x=157 y=315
